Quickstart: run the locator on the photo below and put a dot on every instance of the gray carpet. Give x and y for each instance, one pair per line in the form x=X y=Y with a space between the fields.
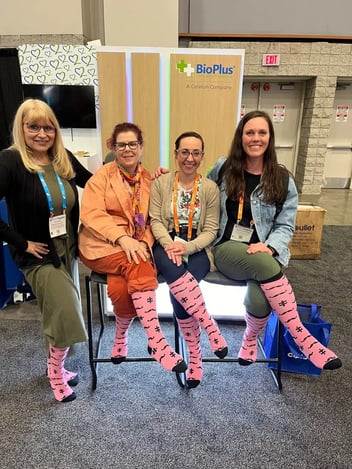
x=139 y=417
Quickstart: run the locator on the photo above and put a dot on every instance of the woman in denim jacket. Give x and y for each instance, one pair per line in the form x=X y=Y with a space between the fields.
x=258 y=210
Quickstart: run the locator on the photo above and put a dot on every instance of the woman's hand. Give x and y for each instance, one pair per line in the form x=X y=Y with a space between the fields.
x=175 y=252
x=259 y=247
x=134 y=249
x=159 y=171
x=37 y=249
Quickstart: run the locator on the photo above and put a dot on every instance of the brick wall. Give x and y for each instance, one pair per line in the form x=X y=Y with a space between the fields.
x=321 y=64
x=18 y=40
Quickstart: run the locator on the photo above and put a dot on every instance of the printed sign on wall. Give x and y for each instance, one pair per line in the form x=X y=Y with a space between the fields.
x=279 y=113
x=342 y=113
x=170 y=91
x=205 y=96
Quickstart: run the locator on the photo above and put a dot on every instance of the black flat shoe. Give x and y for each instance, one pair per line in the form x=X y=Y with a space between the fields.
x=180 y=367
x=192 y=383
x=243 y=362
x=221 y=352
x=73 y=381
x=69 y=398
x=117 y=360
x=333 y=364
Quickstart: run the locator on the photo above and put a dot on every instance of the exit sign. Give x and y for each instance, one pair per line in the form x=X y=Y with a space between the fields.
x=270 y=60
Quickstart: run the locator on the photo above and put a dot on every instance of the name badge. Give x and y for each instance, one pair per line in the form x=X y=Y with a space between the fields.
x=57 y=226
x=241 y=233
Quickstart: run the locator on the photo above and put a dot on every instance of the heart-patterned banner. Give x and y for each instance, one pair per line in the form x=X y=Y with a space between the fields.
x=58 y=64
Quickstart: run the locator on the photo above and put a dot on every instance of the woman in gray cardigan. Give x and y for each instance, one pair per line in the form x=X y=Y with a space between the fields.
x=184 y=212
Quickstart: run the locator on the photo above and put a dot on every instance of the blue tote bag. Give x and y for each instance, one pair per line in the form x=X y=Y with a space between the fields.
x=292 y=358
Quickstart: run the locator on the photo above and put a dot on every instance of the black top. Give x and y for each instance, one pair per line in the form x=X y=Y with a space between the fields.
x=251 y=182
x=28 y=209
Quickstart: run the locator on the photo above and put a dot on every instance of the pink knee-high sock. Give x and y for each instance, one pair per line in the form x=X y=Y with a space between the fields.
x=191 y=333
x=282 y=300
x=62 y=391
x=145 y=305
x=249 y=348
x=119 y=350
x=187 y=292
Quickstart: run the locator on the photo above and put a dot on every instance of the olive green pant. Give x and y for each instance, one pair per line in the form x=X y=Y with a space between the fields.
x=231 y=259
x=59 y=303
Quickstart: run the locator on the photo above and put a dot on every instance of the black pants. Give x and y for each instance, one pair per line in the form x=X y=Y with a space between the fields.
x=198 y=265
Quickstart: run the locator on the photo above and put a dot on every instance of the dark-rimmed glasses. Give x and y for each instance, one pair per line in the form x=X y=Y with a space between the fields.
x=35 y=128
x=121 y=146
x=184 y=153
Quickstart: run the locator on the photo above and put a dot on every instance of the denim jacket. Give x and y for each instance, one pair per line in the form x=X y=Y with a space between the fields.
x=274 y=231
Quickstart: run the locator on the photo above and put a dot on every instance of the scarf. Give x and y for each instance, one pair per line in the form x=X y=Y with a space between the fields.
x=134 y=182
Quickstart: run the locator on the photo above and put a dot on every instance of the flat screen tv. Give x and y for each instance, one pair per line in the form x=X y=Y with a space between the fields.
x=73 y=105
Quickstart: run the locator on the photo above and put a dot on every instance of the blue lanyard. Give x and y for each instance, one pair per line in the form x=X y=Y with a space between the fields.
x=48 y=195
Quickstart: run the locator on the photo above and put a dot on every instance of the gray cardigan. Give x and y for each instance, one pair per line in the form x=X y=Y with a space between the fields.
x=162 y=223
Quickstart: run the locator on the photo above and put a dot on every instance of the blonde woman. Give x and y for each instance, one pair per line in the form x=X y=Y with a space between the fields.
x=38 y=178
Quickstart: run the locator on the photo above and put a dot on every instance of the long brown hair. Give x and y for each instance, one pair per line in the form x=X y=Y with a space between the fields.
x=273 y=179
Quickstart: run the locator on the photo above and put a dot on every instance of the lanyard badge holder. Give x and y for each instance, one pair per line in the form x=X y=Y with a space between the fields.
x=241 y=233
x=190 y=211
x=57 y=224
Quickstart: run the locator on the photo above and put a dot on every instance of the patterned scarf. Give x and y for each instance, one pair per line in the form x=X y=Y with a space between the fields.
x=135 y=184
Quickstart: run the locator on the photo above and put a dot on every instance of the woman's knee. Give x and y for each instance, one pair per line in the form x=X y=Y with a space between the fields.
x=141 y=277
x=168 y=269
x=232 y=259
x=198 y=265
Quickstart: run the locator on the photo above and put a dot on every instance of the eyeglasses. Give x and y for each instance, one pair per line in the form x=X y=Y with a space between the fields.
x=184 y=153
x=121 y=146
x=35 y=129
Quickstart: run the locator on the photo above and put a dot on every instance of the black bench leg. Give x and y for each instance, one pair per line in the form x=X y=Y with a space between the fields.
x=276 y=372
x=279 y=351
x=90 y=332
x=94 y=356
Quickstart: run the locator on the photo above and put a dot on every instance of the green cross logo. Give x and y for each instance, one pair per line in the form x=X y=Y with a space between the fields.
x=183 y=67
